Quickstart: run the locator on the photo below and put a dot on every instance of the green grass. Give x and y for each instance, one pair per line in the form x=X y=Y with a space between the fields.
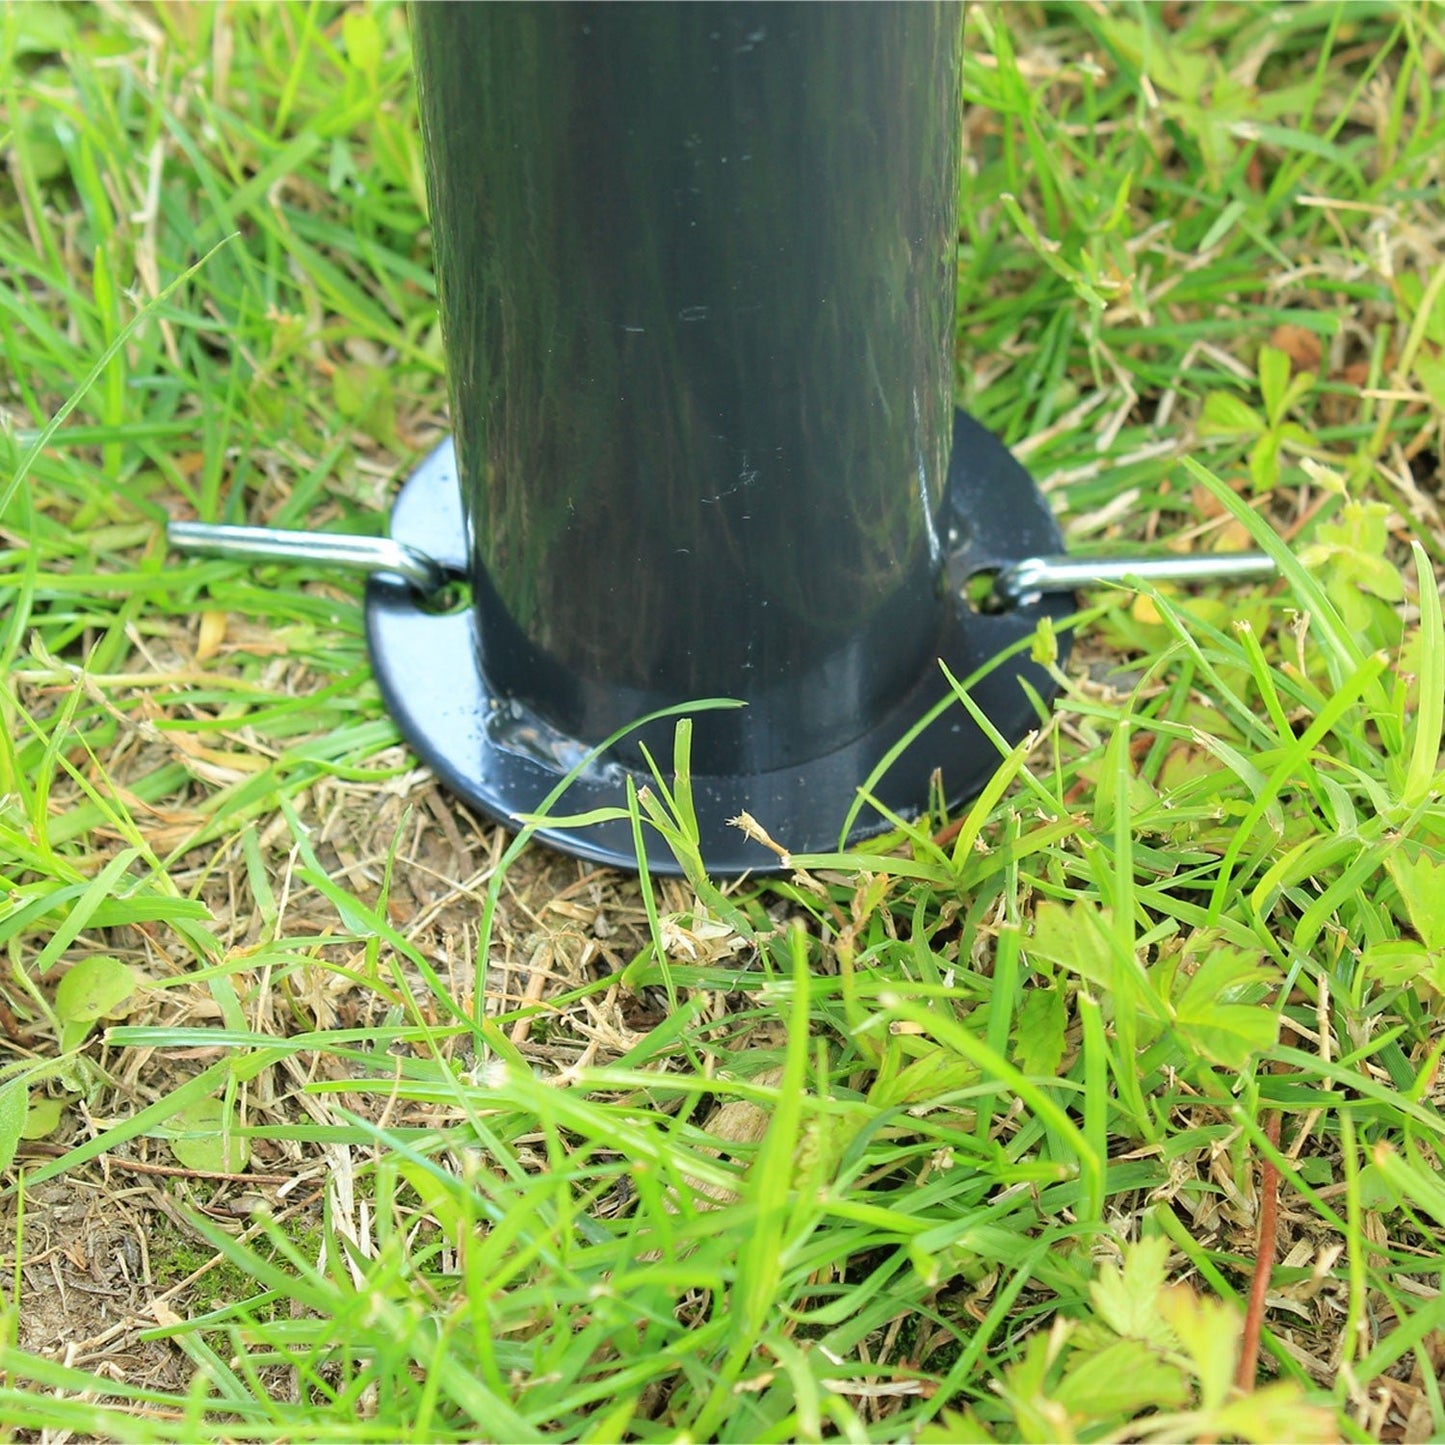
x=957 y=1137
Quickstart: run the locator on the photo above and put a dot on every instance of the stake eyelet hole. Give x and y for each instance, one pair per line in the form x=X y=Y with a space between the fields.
x=980 y=593
x=454 y=597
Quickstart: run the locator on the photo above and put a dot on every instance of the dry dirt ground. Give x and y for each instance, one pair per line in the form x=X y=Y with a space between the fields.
x=109 y=1251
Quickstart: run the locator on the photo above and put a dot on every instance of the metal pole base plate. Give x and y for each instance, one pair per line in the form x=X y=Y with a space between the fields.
x=504 y=761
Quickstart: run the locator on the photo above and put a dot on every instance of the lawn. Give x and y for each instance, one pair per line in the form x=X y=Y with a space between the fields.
x=1107 y=1108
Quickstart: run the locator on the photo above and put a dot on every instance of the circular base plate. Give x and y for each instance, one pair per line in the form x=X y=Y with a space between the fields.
x=505 y=761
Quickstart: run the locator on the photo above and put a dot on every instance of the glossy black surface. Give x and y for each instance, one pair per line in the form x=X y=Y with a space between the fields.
x=504 y=759
x=696 y=267
x=696 y=273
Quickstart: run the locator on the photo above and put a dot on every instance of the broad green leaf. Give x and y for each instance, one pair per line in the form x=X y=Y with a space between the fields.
x=1039 y=1037
x=1125 y=1377
x=1209 y=1331
x=1378 y=575
x=1174 y=70
x=1223 y=975
x=44 y=155
x=1208 y=1016
x=1274 y=371
x=95 y=988
x=938 y=1071
x=1376 y=1192
x=1225 y=415
x=1264 y=462
x=42 y=1117
x=1076 y=936
x=363 y=41
x=364 y=396
x=1277 y=1411
x=14 y=1100
x=202 y=1136
x=1127 y=1298
x=951 y=1428
x=1025 y=1387
x=1401 y=962
x=1354 y=548
x=1421 y=882
x=42 y=27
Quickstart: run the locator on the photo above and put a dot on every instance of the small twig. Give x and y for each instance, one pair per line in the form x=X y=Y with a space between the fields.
x=1264 y=1261
x=136 y=1166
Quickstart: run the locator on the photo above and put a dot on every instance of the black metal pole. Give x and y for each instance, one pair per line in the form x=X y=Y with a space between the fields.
x=696 y=270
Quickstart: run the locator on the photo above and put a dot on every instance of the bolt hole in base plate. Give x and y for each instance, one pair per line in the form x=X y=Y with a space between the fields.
x=504 y=762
